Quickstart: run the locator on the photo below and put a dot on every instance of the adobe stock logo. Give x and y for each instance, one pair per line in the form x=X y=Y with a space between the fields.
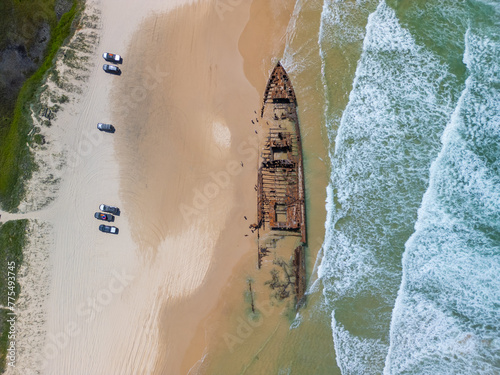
x=219 y=181
x=247 y=325
x=87 y=146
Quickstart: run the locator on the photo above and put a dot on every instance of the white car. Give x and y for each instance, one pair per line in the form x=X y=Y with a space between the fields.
x=111 y=57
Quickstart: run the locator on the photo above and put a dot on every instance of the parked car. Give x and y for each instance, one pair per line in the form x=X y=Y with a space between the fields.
x=106 y=127
x=110 y=209
x=111 y=57
x=108 y=229
x=112 y=69
x=104 y=217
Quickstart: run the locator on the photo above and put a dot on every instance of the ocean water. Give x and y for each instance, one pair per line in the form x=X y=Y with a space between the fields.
x=409 y=266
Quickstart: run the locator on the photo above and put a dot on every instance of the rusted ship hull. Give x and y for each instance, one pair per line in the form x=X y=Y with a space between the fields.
x=280 y=185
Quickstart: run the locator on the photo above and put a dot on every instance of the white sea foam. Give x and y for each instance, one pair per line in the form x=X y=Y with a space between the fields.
x=314 y=279
x=446 y=317
x=341 y=33
x=298 y=55
x=296 y=321
x=350 y=348
x=340 y=22
x=401 y=100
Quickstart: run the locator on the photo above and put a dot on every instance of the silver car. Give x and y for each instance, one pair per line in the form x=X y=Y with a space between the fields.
x=108 y=229
x=111 y=209
x=112 y=69
x=106 y=127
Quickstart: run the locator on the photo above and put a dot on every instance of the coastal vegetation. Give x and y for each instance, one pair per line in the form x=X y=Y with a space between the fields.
x=12 y=238
x=16 y=160
x=33 y=32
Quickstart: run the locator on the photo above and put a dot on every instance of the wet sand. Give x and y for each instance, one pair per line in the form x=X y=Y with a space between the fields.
x=188 y=158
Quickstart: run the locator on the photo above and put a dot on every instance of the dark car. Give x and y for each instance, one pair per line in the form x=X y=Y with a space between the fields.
x=110 y=209
x=104 y=217
x=106 y=127
x=111 y=57
x=112 y=69
x=108 y=229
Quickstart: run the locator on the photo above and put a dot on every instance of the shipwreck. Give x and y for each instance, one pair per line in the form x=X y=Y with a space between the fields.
x=281 y=214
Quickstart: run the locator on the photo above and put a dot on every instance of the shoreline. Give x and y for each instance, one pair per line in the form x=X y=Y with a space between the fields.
x=239 y=339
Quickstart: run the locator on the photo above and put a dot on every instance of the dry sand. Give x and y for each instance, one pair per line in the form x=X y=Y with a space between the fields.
x=133 y=303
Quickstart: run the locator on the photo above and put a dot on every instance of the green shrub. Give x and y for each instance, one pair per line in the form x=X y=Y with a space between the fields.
x=16 y=160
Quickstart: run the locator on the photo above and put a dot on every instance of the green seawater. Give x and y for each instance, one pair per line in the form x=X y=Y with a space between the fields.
x=414 y=130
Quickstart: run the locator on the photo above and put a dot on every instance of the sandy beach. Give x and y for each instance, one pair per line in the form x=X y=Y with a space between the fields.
x=181 y=166
x=190 y=168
